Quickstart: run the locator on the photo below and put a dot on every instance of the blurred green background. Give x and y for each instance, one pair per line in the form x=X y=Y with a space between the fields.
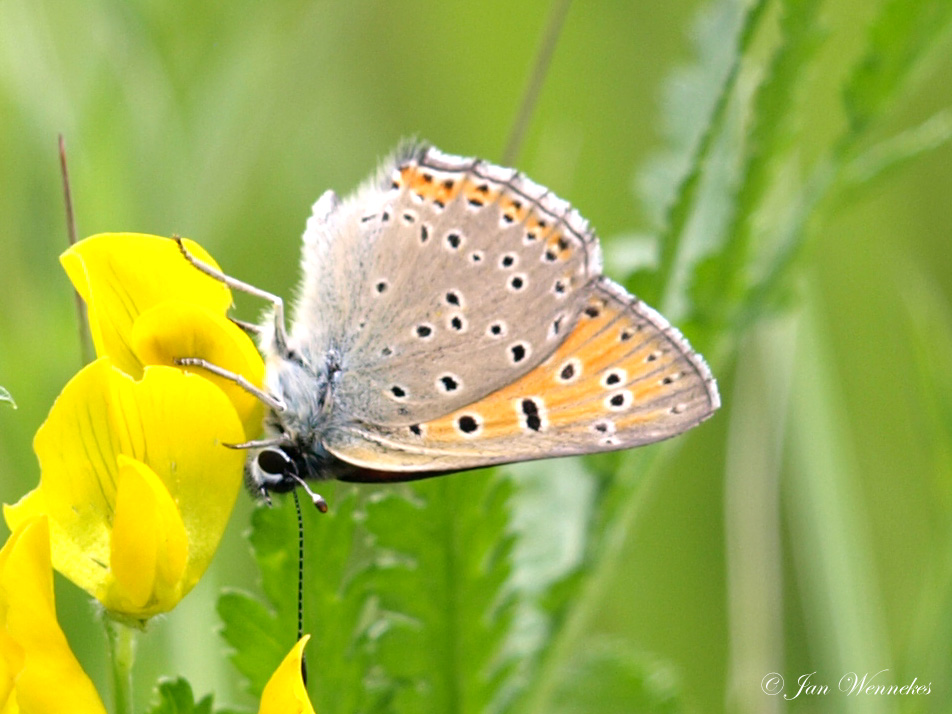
x=805 y=528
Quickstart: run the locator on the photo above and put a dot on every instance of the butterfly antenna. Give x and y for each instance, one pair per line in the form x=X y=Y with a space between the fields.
x=316 y=498
x=85 y=347
x=300 y=584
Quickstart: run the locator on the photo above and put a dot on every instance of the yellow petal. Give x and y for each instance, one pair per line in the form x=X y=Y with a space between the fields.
x=12 y=659
x=77 y=448
x=149 y=546
x=175 y=329
x=49 y=679
x=174 y=423
x=121 y=275
x=285 y=692
x=189 y=421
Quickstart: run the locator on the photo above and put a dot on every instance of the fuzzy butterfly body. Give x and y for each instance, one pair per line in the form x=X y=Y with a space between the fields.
x=453 y=315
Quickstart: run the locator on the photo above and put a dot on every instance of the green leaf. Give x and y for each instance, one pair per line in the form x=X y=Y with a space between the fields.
x=445 y=557
x=262 y=636
x=253 y=632
x=721 y=282
x=174 y=696
x=901 y=36
x=610 y=678
x=337 y=609
x=5 y=397
x=888 y=155
x=594 y=517
x=682 y=210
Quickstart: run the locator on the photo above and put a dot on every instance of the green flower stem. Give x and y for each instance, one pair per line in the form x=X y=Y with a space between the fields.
x=122 y=642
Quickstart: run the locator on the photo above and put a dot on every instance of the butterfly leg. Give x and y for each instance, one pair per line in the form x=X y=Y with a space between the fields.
x=257 y=443
x=271 y=400
x=280 y=335
x=248 y=327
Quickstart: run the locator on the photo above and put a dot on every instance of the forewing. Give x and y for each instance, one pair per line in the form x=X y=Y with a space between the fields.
x=438 y=284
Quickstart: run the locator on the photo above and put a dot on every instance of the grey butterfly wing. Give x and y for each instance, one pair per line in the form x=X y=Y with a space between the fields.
x=624 y=377
x=438 y=283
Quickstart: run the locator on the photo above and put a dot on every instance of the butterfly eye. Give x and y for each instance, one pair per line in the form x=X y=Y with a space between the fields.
x=274 y=462
x=271 y=470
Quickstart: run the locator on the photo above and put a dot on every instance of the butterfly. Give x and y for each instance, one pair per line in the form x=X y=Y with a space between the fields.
x=453 y=315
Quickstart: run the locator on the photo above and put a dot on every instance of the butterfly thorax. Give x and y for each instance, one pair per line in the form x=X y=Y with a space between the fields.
x=304 y=384
x=295 y=434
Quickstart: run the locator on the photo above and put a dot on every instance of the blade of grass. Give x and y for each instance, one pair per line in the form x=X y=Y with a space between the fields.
x=901 y=37
x=930 y=327
x=85 y=341
x=887 y=156
x=752 y=521
x=543 y=59
x=829 y=531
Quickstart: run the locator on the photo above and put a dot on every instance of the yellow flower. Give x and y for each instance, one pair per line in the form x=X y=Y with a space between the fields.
x=38 y=671
x=136 y=482
x=285 y=692
x=148 y=306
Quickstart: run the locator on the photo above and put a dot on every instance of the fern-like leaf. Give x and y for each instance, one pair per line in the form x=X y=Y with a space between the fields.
x=444 y=558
